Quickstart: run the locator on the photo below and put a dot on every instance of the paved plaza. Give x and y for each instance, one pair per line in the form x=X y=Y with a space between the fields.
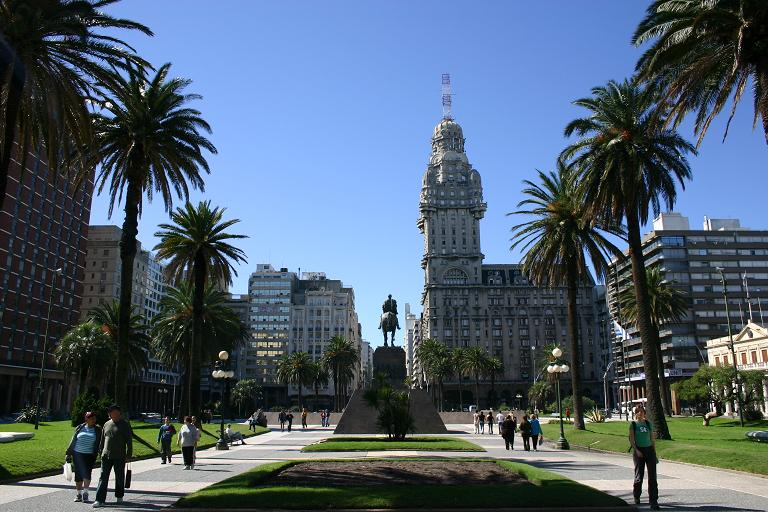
x=681 y=486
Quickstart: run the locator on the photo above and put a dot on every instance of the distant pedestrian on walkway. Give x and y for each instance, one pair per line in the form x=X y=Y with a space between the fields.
x=116 y=448
x=536 y=432
x=525 y=432
x=499 y=420
x=304 y=414
x=507 y=430
x=165 y=438
x=82 y=450
x=327 y=418
x=322 y=418
x=643 y=442
x=476 y=420
x=289 y=420
x=489 y=420
x=252 y=422
x=567 y=414
x=187 y=440
x=281 y=418
x=482 y=422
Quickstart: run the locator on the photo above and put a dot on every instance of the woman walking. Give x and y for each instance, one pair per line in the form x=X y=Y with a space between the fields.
x=536 y=432
x=507 y=430
x=82 y=451
x=643 y=442
x=188 y=436
x=525 y=432
x=489 y=420
x=476 y=419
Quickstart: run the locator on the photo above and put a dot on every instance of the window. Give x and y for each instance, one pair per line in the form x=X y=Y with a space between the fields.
x=455 y=276
x=743 y=358
x=754 y=356
x=717 y=360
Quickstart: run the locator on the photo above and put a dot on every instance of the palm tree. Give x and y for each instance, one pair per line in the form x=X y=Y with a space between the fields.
x=557 y=238
x=667 y=304
x=138 y=343
x=703 y=56
x=442 y=368
x=475 y=364
x=494 y=368
x=320 y=378
x=340 y=358
x=458 y=370
x=85 y=350
x=295 y=369
x=538 y=393
x=172 y=331
x=629 y=166
x=147 y=141
x=431 y=354
x=61 y=51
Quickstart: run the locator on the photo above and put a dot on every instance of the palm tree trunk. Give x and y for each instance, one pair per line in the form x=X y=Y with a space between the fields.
x=477 y=390
x=575 y=345
x=299 y=399
x=461 y=394
x=645 y=326
x=199 y=271
x=82 y=382
x=127 y=256
x=16 y=78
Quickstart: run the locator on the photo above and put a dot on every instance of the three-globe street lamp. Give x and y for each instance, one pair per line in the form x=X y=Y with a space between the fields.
x=164 y=394
x=55 y=273
x=558 y=366
x=221 y=372
x=733 y=348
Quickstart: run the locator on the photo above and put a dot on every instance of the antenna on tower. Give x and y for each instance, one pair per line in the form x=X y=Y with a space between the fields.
x=447 y=114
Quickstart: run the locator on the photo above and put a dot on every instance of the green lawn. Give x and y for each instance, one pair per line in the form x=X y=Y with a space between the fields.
x=546 y=489
x=45 y=452
x=366 y=444
x=722 y=444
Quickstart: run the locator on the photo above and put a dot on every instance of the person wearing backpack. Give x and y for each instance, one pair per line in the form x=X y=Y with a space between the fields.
x=536 y=432
x=165 y=438
x=643 y=446
x=82 y=450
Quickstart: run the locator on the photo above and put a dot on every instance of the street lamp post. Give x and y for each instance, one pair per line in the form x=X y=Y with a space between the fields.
x=733 y=347
x=56 y=272
x=221 y=372
x=605 y=388
x=164 y=396
x=558 y=366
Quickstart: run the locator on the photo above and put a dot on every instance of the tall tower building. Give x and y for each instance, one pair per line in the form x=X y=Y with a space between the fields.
x=467 y=303
x=450 y=207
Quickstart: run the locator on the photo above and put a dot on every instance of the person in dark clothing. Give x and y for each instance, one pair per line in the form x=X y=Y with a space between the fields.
x=82 y=450
x=489 y=420
x=165 y=437
x=116 y=448
x=508 y=432
x=525 y=432
x=289 y=419
x=643 y=442
x=282 y=417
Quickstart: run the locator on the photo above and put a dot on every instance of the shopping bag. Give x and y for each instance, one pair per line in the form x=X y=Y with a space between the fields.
x=128 y=476
x=67 y=467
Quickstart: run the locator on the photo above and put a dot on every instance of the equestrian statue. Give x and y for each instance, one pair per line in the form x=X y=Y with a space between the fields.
x=389 y=322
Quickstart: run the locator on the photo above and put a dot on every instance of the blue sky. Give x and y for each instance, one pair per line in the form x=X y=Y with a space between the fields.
x=323 y=111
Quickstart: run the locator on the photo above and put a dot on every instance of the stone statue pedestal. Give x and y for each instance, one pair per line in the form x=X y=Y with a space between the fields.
x=390 y=361
x=358 y=418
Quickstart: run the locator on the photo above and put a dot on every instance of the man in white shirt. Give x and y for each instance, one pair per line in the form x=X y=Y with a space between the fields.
x=499 y=420
x=234 y=436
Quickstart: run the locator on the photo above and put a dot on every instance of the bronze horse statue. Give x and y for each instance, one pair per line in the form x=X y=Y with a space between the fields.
x=389 y=324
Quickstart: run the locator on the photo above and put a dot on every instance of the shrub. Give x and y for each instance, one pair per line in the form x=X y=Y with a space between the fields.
x=753 y=414
x=595 y=416
x=89 y=402
x=394 y=406
x=29 y=413
x=588 y=404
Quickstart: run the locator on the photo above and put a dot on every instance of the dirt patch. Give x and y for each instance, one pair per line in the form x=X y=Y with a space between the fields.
x=392 y=472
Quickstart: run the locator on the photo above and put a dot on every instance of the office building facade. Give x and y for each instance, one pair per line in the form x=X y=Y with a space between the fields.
x=690 y=259
x=43 y=227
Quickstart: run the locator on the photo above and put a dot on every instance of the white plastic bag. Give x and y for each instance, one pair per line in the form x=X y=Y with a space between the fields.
x=67 y=467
